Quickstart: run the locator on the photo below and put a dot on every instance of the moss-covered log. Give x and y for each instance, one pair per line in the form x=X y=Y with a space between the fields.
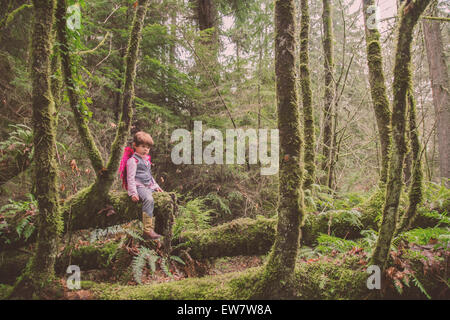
x=321 y=280
x=240 y=237
x=409 y=15
x=117 y=209
x=89 y=257
x=305 y=84
x=377 y=85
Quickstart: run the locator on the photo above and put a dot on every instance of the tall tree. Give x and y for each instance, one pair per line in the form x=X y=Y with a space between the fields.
x=410 y=12
x=327 y=139
x=40 y=269
x=305 y=84
x=440 y=88
x=377 y=85
x=281 y=262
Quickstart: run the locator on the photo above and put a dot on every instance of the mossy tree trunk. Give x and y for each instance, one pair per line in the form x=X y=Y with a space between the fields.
x=327 y=139
x=74 y=100
x=305 y=84
x=415 y=191
x=409 y=15
x=378 y=87
x=281 y=262
x=40 y=269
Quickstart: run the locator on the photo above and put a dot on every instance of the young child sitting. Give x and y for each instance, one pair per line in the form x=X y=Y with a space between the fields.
x=141 y=183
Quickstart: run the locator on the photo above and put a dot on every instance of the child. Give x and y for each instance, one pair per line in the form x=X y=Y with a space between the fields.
x=141 y=183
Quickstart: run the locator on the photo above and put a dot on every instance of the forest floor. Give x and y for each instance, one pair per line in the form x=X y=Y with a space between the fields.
x=217 y=266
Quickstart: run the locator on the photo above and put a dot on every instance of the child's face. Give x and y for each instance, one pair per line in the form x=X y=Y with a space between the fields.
x=142 y=149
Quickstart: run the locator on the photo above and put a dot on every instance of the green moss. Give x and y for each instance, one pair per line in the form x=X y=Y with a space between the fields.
x=378 y=90
x=319 y=280
x=5 y=291
x=305 y=85
x=240 y=237
x=401 y=84
x=88 y=257
x=224 y=287
x=340 y=223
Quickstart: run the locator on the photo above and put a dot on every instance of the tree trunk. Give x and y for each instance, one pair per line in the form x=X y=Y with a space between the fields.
x=305 y=84
x=281 y=262
x=441 y=97
x=378 y=87
x=40 y=269
x=415 y=191
x=329 y=88
x=74 y=100
x=409 y=15
x=206 y=17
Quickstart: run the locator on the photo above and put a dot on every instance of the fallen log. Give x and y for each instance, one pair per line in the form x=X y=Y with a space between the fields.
x=320 y=280
x=242 y=236
x=116 y=209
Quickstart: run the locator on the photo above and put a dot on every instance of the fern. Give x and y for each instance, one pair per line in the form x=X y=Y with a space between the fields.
x=193 y=216
x=177 y=259
x=138 y=265
x=145 y=257
x=165 y=268
x=420 y=286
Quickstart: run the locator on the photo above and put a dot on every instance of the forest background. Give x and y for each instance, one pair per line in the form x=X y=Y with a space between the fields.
x=213 y=61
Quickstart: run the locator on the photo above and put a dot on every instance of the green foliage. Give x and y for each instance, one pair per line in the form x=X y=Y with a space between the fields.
x=326 y=244
x=322 y=198
x=424 y=236
x=221 y=204
x=193 y=216
x=20 y=138
x=145 y=257
x=22 y=212
x=436 y=196
x=149 y=258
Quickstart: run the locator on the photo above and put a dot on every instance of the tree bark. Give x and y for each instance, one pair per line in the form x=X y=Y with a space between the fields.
x=281 y=262
x=40 y=269
x=305 y=84
x=415 y=191
x=327 y=139
x=409 y=15
x=441 y=97
x=378 y=87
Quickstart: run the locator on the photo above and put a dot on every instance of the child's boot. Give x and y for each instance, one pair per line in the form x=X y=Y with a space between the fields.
x=149 y=233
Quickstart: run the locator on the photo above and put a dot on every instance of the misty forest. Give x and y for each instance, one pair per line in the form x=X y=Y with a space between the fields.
x=335 y=184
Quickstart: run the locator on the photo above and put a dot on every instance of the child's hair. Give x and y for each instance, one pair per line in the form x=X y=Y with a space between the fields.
x=142 y=138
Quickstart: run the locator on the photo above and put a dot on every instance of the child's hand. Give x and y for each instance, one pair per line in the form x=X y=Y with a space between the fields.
x=159 y=190
x=135 y=198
